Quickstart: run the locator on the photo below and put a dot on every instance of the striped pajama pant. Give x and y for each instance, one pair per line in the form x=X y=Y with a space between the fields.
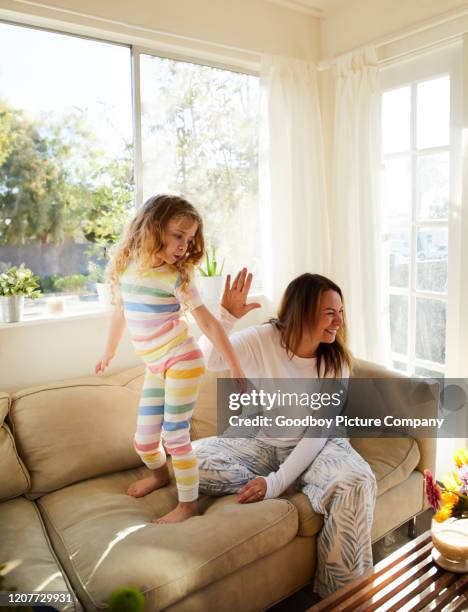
x=340 y=486
x=167 y=401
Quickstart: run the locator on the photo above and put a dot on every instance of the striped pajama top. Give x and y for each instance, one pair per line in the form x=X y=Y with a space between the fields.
x=153 y=311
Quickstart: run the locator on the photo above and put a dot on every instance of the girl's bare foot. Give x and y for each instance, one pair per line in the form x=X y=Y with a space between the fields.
x=181 y=512
x=159 y=478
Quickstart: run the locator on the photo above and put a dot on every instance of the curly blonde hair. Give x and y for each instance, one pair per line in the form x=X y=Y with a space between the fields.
x=143 y=239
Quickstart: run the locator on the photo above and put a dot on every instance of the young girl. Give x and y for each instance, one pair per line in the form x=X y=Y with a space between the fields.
x=151 y=275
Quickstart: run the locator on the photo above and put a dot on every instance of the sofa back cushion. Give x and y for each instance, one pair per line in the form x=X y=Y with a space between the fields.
x=77 y=429
x=204 y=420
x=429 y=394
x=15 y=478
x=74 y=430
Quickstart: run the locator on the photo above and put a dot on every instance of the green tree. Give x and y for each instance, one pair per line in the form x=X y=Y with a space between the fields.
x=200 y=129
x=56 y=183
x=111 y=202
x=6 y=134
x=38 y=201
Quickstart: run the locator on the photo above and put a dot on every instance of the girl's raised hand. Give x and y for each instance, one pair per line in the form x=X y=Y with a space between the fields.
x=235 y=296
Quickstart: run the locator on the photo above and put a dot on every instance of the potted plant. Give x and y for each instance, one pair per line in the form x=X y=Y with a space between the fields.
x=449 y=530
x=211 y=281
x=97 y=274
x=16 y=284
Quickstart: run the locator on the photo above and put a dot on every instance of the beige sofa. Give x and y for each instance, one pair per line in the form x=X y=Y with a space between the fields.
x=66 y=461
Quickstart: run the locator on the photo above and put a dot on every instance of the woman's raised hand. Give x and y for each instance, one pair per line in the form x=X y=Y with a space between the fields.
x=235 y=296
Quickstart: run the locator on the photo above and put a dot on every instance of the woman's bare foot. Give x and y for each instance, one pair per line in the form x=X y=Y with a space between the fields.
x=181 y=512
x=159 y=478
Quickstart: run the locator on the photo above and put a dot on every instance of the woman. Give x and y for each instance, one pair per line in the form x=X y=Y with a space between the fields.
x=306 y=340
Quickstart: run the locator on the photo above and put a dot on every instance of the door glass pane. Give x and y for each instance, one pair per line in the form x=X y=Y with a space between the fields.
x=397 y=191
x=396 y=120
x=433 y=113
x=399 y=323
x=399 y=366
x=433 y=186
x=399 y=258
x=430 y=329
x=431 y=255
x=424 y=372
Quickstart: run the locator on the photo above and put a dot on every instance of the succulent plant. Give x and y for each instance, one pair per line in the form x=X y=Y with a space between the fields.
x=211 y=264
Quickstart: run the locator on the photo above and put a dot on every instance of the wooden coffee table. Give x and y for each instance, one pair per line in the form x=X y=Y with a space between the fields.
x=408 y=579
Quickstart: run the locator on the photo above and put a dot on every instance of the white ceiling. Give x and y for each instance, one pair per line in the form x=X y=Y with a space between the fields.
x=318 y=8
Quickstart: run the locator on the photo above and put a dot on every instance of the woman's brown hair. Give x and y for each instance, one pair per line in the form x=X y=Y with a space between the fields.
x=144 y=238
x=299 y=308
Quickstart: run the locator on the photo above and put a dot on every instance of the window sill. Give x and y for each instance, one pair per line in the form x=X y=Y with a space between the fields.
x=44 y=318
x=41 y=316
x=53 y=308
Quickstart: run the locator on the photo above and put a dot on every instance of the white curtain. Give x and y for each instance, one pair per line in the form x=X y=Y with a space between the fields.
x=292 y=185
x=357 y=266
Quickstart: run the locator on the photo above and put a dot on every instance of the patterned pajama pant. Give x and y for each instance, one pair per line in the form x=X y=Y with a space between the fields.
x=166 y=407
x=339 y=484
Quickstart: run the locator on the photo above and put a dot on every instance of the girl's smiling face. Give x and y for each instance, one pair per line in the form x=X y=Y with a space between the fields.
x=177 y=236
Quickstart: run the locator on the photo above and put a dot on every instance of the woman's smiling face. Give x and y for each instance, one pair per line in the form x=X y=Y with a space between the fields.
x=329 y=317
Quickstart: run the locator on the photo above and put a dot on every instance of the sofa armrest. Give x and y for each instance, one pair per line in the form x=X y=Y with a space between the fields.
x=427 y=446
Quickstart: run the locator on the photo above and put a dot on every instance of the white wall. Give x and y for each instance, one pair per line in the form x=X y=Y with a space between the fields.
x=33 y=353
x=255 y=25
x=350 y=24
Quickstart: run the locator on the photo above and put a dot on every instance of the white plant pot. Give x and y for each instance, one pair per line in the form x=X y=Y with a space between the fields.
x=104 y=295
x=11 y=308
x=211 y=288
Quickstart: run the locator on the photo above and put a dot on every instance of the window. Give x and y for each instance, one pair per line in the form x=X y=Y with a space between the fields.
x=67 y=176
x=66 y=170
x=420 y=194
x=199 y=138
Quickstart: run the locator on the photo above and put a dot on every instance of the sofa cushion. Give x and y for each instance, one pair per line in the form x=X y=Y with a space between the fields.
x=392 y=459
x=26 y=546
x=15 y=477
x=72 y=430
x=310 y=523
x=426 y=399
x=398 y=504
x=258 y=585
x=105 y=539
x=204 y=420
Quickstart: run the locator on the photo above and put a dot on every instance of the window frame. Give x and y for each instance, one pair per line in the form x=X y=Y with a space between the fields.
x=212 y=58
x=411 y=72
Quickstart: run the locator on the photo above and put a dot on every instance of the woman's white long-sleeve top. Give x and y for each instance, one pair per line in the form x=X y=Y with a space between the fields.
x=261 y=355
